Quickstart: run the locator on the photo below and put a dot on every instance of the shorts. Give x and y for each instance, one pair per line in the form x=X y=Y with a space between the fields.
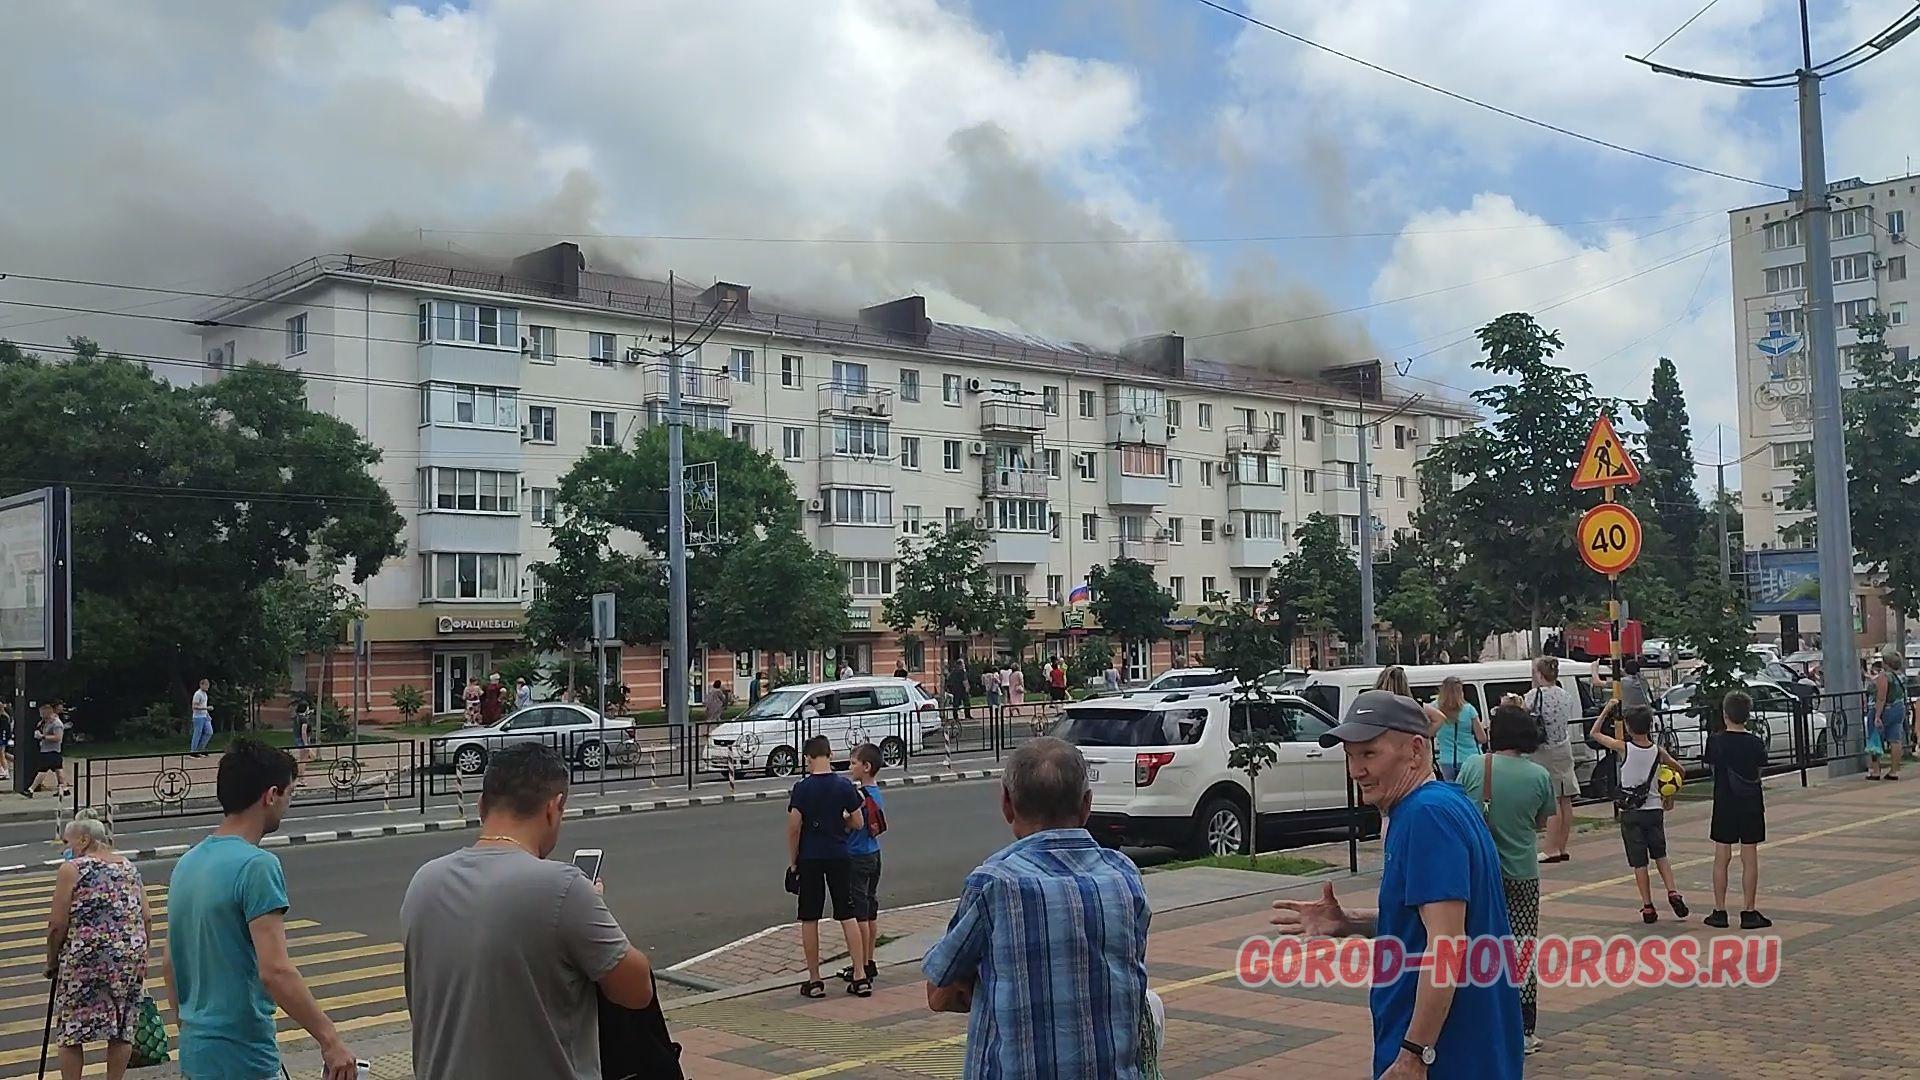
x=818 y=878
x=50 y=761
x=1738 y=822
x=864 y=882
x=1056 y=693
x=1557 y=759
x=1644 y=832
x=1893 y=730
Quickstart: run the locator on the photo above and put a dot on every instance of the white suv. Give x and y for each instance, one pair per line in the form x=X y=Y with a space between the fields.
x=1159 y=774
x=768 y=737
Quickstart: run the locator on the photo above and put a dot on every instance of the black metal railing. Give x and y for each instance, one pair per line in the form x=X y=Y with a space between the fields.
x=144 y=786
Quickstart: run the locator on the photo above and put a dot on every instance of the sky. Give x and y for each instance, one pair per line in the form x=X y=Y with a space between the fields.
x=1136 y=166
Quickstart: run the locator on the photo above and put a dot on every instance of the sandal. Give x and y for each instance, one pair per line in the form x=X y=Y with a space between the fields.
x=1648 y=915
x=845 y=974
x=862 y=987
x=813 y=988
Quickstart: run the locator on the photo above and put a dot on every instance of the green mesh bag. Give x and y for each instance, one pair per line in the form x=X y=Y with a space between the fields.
x=149 y=1036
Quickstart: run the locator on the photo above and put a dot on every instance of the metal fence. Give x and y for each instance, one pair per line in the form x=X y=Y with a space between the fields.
x=144 y=786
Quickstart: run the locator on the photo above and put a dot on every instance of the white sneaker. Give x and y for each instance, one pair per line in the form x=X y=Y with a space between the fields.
x=1531 y=1045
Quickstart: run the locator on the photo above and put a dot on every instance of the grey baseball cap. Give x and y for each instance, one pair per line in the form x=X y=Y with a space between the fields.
x=1375 y=712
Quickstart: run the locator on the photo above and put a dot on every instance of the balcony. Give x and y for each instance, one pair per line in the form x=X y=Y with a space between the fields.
x=1255 y=440
x=1008 y=547
x=1013 y=483
x=1129 y=489
x=1133 y=419
x=696 y=385
x=855 y=399
x=478 y=364
x=1338 y=500
x=1248 y=554
x=1011 y=416
x=1247 y=496
x=1152 y=549
x=859 y=541
x=837 y=470
x=1339 y=444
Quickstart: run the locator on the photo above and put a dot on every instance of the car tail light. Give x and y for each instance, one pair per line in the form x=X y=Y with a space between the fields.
x=1147 y=766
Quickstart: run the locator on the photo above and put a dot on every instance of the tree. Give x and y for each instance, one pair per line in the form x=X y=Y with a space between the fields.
x=777 y=592
x=940 y=583
x=1007 y=617
x=1414 y=609
x=1502 y=487
x=1318 y=583
x=1245 y=638
x=1715 y=621
x=1881 y=413
x=1666 y=489
x=1130 y=604
x=188 y=502
x=1251 y=756
x=302 y=612
x=409 y=700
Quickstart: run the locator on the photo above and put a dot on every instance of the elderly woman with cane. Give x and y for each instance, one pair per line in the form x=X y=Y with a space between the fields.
x=97 y=935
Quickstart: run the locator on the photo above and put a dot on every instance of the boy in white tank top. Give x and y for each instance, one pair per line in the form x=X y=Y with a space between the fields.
x=1643 y=820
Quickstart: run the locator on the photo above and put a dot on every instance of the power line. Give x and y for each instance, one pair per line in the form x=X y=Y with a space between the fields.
x=1477 y=103
x=1683 y=26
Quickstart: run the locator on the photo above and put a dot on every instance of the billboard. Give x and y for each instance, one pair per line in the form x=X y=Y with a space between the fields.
x=35 y=589
x=1784 y=582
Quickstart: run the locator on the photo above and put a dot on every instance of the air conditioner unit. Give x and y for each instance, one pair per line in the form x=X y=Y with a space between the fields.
x=526 y=347
x=1229 y=529
x=1163 y=534
x=817 y=506
x=526 y=433
x=1172 y=433
x=977 y=449
x=1897 y=237
x=633 y=355
x=973 y=386
x=979 y=521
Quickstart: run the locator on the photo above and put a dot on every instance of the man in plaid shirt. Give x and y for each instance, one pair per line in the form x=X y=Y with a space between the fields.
x=1047 y=950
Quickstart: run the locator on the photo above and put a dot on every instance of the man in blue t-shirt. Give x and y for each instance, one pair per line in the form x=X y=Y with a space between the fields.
x=1441 y=879
x=226 y=957
x=822 y=810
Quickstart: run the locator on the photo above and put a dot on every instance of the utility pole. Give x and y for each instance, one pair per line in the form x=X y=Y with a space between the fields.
x=1838 y=657
x=676 y=530
x=1368 y=643
x=1720 y=502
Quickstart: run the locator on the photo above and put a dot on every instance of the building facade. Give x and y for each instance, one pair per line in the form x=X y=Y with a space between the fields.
x=482 y=388
x=1872 y=248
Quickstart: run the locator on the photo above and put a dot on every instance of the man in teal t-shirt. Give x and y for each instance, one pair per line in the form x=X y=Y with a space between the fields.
x=226 y=955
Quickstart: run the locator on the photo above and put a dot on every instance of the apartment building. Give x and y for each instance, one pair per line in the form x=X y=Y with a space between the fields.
x=1872 y=249
x=482 y=387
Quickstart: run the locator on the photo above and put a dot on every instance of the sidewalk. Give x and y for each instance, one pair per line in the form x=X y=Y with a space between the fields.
x=1841 y=879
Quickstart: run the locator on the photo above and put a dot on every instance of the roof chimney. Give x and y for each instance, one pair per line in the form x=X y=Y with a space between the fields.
x=1161 y=354
x=905 y=318
x=1361 y=380
x=557 y=268
x=725 y=292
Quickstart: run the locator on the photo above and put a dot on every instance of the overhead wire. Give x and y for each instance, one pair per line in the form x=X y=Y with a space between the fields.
x=1683 y=26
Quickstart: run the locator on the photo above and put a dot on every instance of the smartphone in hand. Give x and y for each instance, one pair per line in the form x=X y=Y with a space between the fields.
x=588 y=860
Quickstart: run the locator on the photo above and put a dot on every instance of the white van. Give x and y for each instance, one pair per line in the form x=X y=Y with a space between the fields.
x=1332 y=692
x=768 y=736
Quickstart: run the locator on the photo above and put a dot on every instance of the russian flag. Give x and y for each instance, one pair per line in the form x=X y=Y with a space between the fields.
x=1081 y=594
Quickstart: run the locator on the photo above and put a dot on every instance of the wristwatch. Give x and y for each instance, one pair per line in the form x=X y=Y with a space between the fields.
x=1424 y=1053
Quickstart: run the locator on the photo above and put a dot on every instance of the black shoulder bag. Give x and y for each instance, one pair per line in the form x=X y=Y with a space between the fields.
x=634 y=1043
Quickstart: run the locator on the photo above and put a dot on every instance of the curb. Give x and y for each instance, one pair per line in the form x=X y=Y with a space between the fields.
x=409 y=828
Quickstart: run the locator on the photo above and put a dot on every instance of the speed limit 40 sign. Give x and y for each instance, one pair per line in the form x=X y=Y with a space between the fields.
x=1609 y=538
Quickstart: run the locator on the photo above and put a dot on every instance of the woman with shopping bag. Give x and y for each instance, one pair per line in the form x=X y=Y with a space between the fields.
x=97 y=934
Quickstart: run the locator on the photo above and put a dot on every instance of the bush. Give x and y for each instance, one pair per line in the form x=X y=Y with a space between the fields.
x=785 y=676
x=1094 y=656
x=1033 y=675
x=410 y=700
x=336 y=724
x=158 y=722
x=514 y=668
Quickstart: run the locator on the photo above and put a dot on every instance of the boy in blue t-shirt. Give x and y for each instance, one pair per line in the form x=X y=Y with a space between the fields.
x=863 y=847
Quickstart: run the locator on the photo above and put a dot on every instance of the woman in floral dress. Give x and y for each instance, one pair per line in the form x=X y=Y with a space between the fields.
x=472 y=698
x=97 y=934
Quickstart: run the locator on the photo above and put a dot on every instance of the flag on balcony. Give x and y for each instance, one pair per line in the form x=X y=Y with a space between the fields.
x=1081 y=594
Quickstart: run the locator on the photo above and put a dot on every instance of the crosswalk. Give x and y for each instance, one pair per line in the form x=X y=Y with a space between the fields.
x=358 y=980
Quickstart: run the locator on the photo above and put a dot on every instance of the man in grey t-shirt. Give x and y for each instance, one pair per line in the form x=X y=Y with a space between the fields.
x=504 y=948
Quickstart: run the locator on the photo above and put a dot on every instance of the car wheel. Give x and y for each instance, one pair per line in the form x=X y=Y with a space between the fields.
x=470 y=760
x=591 y=755
x=782 y=762
x=893 y=752
x=1221 y=828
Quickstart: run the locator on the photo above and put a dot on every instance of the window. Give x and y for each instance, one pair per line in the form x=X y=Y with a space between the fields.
x=1378 y=479
x=740 y=365
x=1056 y=589
x=471 y=489
x=698 y=417
x=297 y=335
x=1010 y=584
x=1206 y=530
x=859 y=506
x=1173 y=412
x=1086 y=463
x=869 y=577
x=1897 y=314
x=861 y=438
x=1263 y=525
x=1349 y=475
x=1277 y=423
x=1176 y=530
x=541 y=348
x=470 y=324
x=1400 y=487
x=910 y=520
x=1787 y=278
x=1852 y=268
x=1306 y=429
x=1206 y=473
x=792 y=443
x=1399 y=436
x=540 y=423
x=1089 y=526
x=1376 y=436
x=1138 y=460
x=461 y=576
x=1308 y=478
x=1849 y=222
x=955 y=515
x=1253 y=588
x=909 y=384
x=1785 y=454
x=1260 y=469
x=541 y=501
x=848 y=375
x=1897 y=268
x=460 y=403
x=1849 y=312
x=1131 y=528
x=601 y=348
x=1053 y=525
x=1050 y=400
x=1350 y=528
x=1143 y=401
x=950 y=389
x=1177 y=587
x=600 y=429
x=1203 y=415
x=1783 y=234
x=1790 y=321
x=1896 y=222
x=742 y=433
x=1173 y=471
x=1208 y=586
x=1052 y=459
x=791 y=371
x=1018 y=515
x=950 y=455
x=909 y=451
x=1086 y=404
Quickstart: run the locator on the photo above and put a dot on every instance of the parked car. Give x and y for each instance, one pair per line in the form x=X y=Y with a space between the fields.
x=1159 y=774
x=1184 y=680
x=1787 y=678
x=768 y=737
x=577 y=732
x=1768 y=654
x=1774 y=707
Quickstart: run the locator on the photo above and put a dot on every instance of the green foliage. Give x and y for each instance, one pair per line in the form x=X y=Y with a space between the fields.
x=1666 y=497
x=160 y=721
x=1243 y=638
x=785 y=676
x=1093 y=656
x=777 y=592
x=940 y=583
x=409 y=699
x=303 y=611
x=516 y=667
x=169 y=564
x=1132 y=607
x=1317 y=586
x=336 y=723
x=1415 y=610
x=1499 y=491
x=1881 y=413
x=1715 y=621
x=1251 y=757
x=1033 y=676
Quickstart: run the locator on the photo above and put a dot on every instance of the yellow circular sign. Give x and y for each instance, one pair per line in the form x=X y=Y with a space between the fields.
x=1609 y=538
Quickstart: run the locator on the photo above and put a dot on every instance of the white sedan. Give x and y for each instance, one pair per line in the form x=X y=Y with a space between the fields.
x=1772 y=720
